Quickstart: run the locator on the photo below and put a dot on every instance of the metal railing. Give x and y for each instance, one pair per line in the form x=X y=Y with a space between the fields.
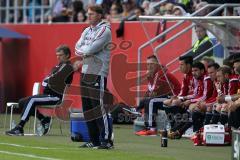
x=12 y=11
x=151 y=41
x=177 y=69
x=157 y=4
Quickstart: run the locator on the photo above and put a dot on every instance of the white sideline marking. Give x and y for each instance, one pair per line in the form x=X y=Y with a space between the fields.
x=18 y=145
x=28 y=155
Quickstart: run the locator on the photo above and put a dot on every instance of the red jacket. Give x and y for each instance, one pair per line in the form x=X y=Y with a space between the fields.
x=203 y=89
x=158 y=85
x=233 y=85
x=213 y=98
x=187 y=85
x=230 y=87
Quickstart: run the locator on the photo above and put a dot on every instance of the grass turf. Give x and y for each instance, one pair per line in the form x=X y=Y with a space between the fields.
x=127 y=146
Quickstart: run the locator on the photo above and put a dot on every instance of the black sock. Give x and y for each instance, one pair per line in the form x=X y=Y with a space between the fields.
x=223 y=118
x=208 y=118
x=198 y=118
x=187 y=120
x=21 y=123
x=216 y=117
x=40 y=116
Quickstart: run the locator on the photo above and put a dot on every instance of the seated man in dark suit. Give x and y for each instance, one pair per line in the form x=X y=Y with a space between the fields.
x=54 y=85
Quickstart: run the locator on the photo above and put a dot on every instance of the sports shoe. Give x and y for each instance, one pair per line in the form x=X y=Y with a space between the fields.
x=132 y=111
x=111 y=142
x=106 y=145
x=197 y=140
x=140 y=132
x=46 y=124
x=17 y=131
x=146 y=132
x=174 y=135
x=88 y=145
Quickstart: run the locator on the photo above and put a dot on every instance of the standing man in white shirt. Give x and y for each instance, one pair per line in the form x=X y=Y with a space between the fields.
x=92 y=48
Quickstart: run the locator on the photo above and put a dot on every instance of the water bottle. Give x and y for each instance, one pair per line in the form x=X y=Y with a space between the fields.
x=168 y=126
x=13 y=124
x=39 y=130
x=164 y=139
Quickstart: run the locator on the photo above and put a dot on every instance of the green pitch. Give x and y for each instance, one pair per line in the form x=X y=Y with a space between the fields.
x=55 y=146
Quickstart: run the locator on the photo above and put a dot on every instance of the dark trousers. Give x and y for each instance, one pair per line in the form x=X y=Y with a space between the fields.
x=176 y=115
x=151 y=107
x=183 y=119
x=234 y=118
x=189 y=119
x=29 y=103
x=95 y=114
